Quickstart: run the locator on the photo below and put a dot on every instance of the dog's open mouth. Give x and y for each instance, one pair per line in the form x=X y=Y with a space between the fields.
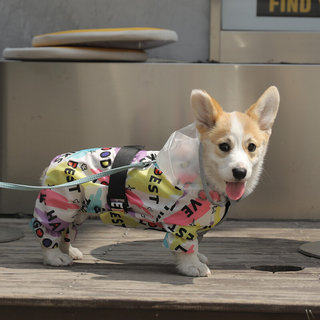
x=235 y=190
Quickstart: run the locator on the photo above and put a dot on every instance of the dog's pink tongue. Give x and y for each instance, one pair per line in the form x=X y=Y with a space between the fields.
x=235 y=190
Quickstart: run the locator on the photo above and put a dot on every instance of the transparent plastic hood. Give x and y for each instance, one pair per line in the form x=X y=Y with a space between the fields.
x=179 y=158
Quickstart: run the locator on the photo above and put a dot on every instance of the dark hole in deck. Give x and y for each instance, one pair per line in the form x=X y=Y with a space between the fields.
x=275 y=268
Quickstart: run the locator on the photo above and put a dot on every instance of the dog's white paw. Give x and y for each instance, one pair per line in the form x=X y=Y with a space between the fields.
x=189 y=264
x=202 y=258
x=194 y=270
x=56 y=258
x=75 y=253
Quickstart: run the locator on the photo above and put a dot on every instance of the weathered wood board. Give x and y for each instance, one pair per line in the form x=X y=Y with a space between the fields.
x=129 y=270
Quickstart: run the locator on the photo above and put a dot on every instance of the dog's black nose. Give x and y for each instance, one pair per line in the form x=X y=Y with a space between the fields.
x=239 y=173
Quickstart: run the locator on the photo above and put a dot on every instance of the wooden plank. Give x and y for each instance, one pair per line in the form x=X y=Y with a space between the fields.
x=130 y=269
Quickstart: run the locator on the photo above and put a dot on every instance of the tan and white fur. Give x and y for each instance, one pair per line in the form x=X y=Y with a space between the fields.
x=234 y=146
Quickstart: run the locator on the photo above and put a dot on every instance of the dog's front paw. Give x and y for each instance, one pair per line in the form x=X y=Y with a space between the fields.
x=56 y=258
x=189 y=264
x=194 y=270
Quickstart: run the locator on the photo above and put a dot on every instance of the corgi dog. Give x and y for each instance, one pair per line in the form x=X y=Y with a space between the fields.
x=232 y=149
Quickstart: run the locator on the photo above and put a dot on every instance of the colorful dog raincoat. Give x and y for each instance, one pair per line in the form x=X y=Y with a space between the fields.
x=166 y=195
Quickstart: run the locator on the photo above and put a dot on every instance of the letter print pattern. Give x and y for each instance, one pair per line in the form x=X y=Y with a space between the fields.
x=154 y=203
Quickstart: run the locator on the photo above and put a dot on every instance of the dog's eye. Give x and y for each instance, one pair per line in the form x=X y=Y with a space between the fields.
x=225 y=147
x=252 y=147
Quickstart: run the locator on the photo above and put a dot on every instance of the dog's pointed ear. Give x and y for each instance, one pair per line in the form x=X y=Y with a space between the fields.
x=266 y=108
x=206 y=110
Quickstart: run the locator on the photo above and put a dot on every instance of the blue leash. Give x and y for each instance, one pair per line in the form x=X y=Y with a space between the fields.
x=24 y=187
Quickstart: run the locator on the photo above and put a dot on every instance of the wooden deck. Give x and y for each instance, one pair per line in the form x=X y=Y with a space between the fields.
x=126 y=274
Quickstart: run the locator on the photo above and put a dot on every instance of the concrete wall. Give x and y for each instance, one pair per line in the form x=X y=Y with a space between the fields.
x=20 y=20
x=50 y=108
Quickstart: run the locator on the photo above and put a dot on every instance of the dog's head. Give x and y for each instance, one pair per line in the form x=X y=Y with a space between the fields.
x=234 y=144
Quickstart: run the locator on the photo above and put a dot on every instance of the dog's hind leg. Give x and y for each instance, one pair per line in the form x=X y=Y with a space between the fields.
x=52 y=255
x=55 y=257
x=73 y=252
x=62 y=253
x=51 y=230
x=65 y=244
